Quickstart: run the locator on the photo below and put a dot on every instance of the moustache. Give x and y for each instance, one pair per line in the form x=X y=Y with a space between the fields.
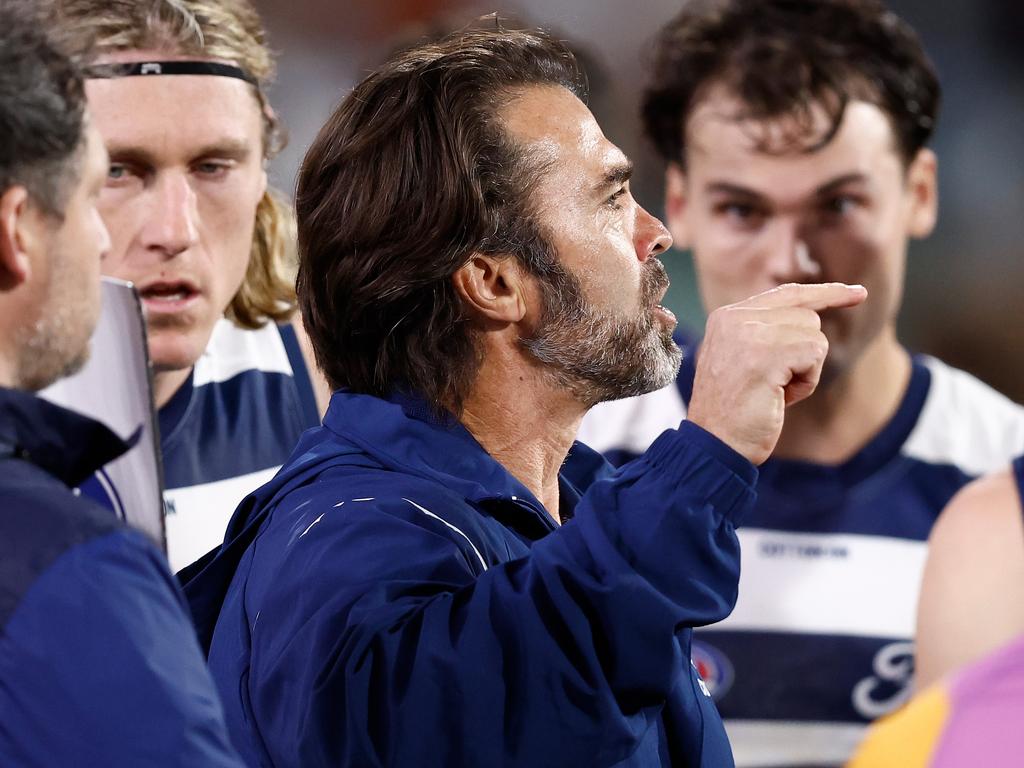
x=654 y=281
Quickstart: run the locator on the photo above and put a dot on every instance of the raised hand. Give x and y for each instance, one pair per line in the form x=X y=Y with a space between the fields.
x=759 y=356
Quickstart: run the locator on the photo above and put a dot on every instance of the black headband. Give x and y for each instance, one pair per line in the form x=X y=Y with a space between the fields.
x=143 y=68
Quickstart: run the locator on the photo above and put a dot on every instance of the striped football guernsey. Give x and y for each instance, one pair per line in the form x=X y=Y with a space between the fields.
x=820 y=642
x=228 y=430
x=971 y=720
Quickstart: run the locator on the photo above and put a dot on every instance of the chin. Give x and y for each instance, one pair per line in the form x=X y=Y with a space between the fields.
x=834 y=370
x=174 y=355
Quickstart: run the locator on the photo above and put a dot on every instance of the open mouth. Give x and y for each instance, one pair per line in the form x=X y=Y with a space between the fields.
x=666 y=315
x=168 y=295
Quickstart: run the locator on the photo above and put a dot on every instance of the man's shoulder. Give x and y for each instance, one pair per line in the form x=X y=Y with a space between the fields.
x=965 y=423
x=364 y=490
x=327 y=537
x=40 y=522
x=99 y=635
x=233 y=350
x=250 y=399
x=38 y=508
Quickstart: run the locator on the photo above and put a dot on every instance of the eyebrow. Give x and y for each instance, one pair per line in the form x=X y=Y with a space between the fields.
x=727 y=188
x=840 y=181
x=231 y=149
x=617 y=174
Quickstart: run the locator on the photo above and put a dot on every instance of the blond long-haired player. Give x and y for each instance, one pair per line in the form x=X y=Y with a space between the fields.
x=178 y=95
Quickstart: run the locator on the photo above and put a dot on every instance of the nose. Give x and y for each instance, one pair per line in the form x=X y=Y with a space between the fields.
x=789 y=258
x=172 y=218
x=652 y=238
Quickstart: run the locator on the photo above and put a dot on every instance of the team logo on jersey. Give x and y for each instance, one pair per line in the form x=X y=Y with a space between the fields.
x=889 y=687
x=713 y=666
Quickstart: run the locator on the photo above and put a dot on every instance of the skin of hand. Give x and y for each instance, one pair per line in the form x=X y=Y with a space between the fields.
x=759 y=356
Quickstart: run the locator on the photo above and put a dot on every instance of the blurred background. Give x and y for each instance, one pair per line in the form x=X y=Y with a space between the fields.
x=964 y=285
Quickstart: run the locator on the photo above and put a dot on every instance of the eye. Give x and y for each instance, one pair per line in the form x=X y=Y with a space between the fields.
x=613 y=200
x=212 y=168
x=740 y=213
x=121 y=174
x=841 y=205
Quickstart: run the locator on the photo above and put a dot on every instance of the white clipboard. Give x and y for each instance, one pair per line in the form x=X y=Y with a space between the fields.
x=115 y=388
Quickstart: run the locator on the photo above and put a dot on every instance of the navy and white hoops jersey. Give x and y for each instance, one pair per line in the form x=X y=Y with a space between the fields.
x=820 y=642
x=228 y=430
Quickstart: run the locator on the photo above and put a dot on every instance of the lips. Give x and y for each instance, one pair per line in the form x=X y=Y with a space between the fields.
x=666 y=315
x=655 y=286
x=168 y=295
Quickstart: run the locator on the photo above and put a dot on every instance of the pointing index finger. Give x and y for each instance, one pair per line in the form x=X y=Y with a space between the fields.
x=816 y=296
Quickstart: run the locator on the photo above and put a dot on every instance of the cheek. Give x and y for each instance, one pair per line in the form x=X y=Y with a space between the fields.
x=730 y=268
x=869 y=258
x=121 y=218
x=228 y=222
x=85 y=238
x=878 y=265
x=99 y=237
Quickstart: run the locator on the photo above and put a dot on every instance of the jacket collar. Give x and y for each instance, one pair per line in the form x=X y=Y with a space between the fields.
x=403 y=433
x=400 y=433
x=64 y=443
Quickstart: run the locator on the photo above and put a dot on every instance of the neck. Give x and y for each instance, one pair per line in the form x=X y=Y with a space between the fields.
x=166 y=383
x=523 y=421
x=838 y=420
x=7 y=369
x=11 y=319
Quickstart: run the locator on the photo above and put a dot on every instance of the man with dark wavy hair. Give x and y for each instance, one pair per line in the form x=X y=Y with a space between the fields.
x=98 y=661
x=795 y=135
x=425 y=583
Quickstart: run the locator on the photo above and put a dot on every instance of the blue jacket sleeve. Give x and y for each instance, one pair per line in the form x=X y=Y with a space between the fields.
x=387 y=645
x=100 y=666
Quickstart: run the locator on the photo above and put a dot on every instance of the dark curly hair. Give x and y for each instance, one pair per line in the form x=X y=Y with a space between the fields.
x=42 y=105
x=410 y=176
x=786 y=57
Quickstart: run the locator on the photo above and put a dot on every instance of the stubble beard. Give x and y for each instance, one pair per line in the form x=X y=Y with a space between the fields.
x=596 y=354
x=56 y=345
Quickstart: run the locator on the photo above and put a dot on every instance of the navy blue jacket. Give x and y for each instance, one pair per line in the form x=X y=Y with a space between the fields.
x=395 y=597
x=99 y=665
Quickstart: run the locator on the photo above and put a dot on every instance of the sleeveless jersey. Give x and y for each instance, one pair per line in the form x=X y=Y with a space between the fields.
x=228 y=430
x=971 y=719
x=820 y=642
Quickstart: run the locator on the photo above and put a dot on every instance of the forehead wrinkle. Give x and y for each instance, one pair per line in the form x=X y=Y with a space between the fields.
x=178 y=116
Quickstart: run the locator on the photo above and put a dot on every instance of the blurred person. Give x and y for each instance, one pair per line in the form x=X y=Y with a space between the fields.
x=795 y=135
x=99 y=664
x=970 y=654
x=178 y=94
x=970 y=719
x=405 y=592
x=972 y=595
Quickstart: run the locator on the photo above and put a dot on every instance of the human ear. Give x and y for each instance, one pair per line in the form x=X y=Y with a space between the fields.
x=493 y=288
x=923 y=189
x=18 y=237
x=677 y=204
